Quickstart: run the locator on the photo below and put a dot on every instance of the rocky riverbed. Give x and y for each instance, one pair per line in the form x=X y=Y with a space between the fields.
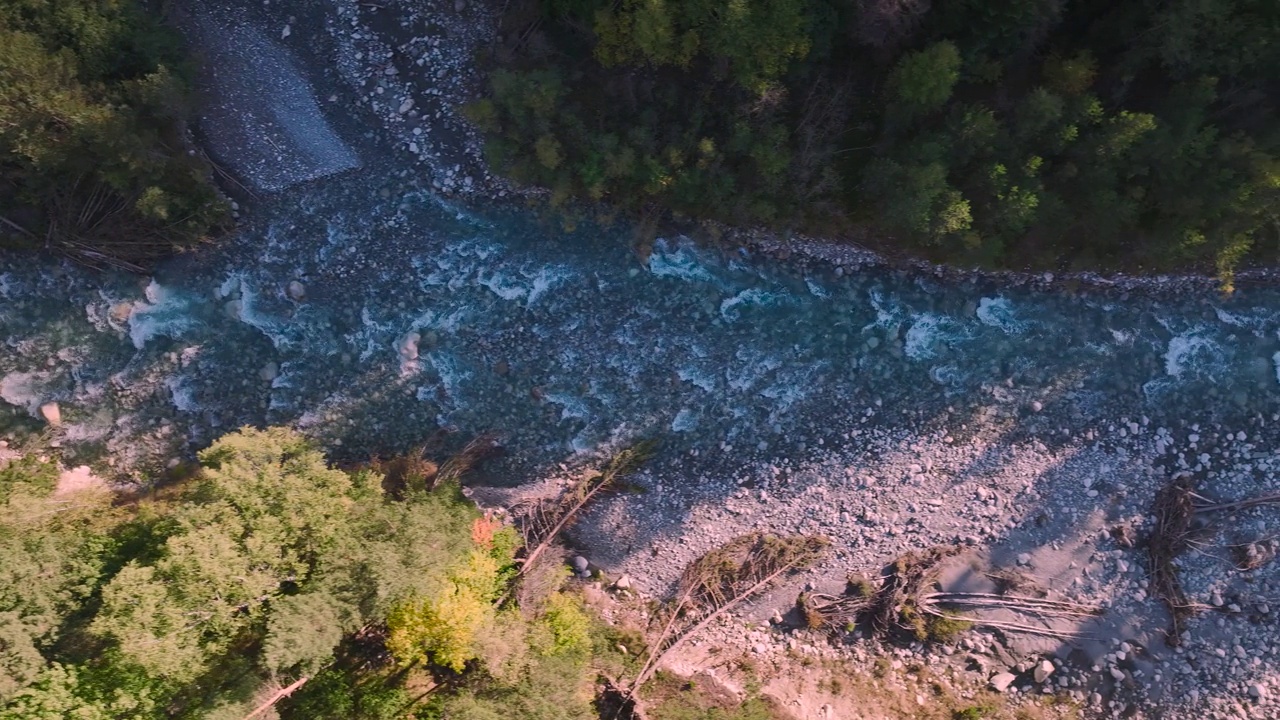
x=1029 y=422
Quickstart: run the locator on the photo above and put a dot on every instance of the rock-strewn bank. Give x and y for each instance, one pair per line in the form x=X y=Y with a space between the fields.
x=1068 y=522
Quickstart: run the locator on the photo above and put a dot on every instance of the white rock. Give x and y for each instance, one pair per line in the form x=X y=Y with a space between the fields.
x=1044 y=670
x=1024 y=559
x=51 y=413
x=623 y=583
x=1001 y=681
x=1257 y=692
x=297 y=291
x=406 y=106
x=286 y=32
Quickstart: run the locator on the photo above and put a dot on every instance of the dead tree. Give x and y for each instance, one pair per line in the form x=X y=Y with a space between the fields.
x=1181 y=515
x=543 y=520
x=906 y=600
x=721 y=579
x=277 y=697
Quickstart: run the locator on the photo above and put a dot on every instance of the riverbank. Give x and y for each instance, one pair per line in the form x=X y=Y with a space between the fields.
x=412 y=70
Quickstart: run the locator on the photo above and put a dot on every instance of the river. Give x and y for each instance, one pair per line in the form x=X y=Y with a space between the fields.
x=566 y=343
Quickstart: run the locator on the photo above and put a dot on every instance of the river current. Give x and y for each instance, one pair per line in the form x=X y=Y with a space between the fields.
x=567 y=343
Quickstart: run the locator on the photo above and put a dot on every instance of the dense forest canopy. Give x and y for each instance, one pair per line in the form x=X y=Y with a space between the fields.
x=363 y=594
x=1053 y=133
x=94 y=160
x=265 y=583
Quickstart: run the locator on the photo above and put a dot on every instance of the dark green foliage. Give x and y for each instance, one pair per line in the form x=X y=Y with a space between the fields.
x=1137 y=134
x=93 y=159
x=338 y=695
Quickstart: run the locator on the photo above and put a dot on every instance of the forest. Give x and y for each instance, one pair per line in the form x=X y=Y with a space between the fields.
x=94 y=148
x=1138 y=135
x=266 y=583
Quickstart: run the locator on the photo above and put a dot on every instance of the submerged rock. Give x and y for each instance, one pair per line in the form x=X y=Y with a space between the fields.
x=269 y=372
x=408 y=346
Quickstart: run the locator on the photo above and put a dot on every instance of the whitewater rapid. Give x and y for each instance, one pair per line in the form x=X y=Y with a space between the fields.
x=565 y=344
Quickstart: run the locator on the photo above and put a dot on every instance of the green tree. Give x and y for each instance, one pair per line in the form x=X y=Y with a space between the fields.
x=922 y=81
x=91 y=133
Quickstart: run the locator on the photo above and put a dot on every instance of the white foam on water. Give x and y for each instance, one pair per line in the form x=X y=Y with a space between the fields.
x=1122 y=337
x=165 y=313
x=949 y=375
x=373 y=335
x=230 y=286
x=1256 y=321
x=998 y=312
x=697 y=377
x=1275 y=359
x=755 y=365
x=544 y=278
x=6 y=286
x=927 y=332
x=789 y=388
x=25 y=389
x=571 y=406
x=686 y=420
x=300 y=329
x=679 y=260
x=452 y=374
x=730 y=307
x=183 y=394
x=889 y=315
x=495 y=283
x=584 y=442
x=1155 y=388
x=458 y=212
x=816 y=290
x=1194 y=352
